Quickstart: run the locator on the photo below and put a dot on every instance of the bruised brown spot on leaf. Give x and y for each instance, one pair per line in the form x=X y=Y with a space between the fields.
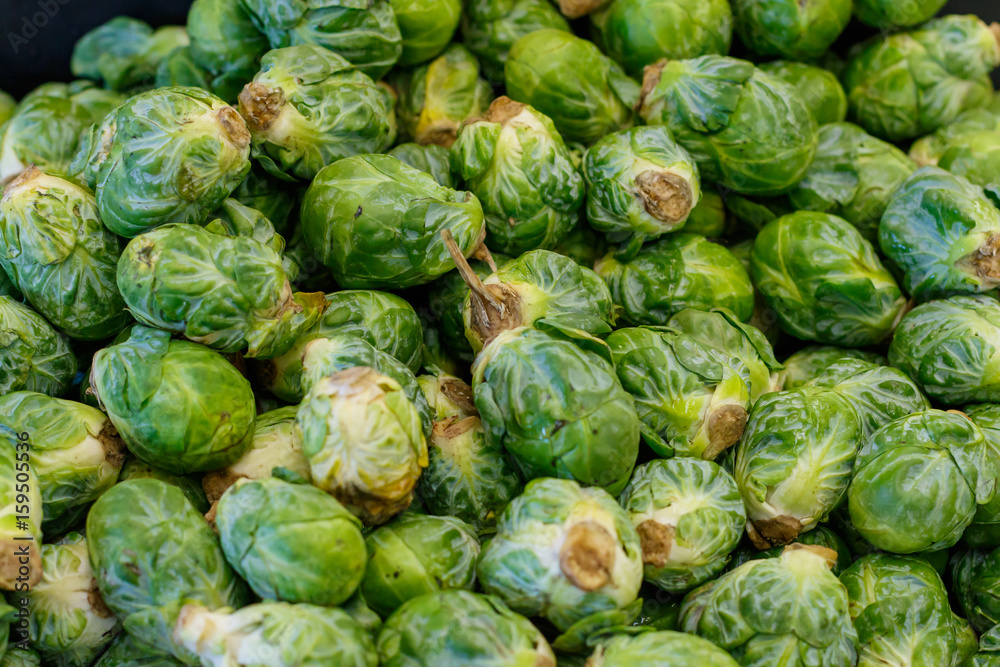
x=587 y=556
x=374 y=510
x=459 y=393
x=114 y=447
x=656 y=540
x=260 y=106
x=983 y=262
x=776 y=532
x=234 y=127
x=650 y=78
x=828 y=554
x=29 y=174
x=96 y=601
x=725 y=427
x=666 y=197
x=503 y=109
x=217 y=482
x=441 y=132
x=574 y=9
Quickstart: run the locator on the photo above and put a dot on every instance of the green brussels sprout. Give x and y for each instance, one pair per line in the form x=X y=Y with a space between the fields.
x=152 y=552
x=180 y=69
x=818 y=88
x=904 y=85
x=689 y=516
x=417 y=555
x=433 y=99
x=275 y=199
x=21 y=527
x=226 y=43
x=364 y=442
x=708 y=218
x=177 y=405
x=237 y=220
x=291 y=542
x=963 y=133
x=691 y=399
x=47 y=127
x=640 y=185
x=75 y=451
x=563 y=552
x=33 y=355
x=933 y=469
x=59 y=255
x=636 y=33
x=491 y=634
x=68 y=623
x=767 y=610
x=376 y=222
x=854 y=176
x=125 y=651
x=282 y=634
x=189 y=147
x=679 y=271
x=793 y=29
x=820 y=536
x=430 y=159
x=892 y=15
x=794 y=462
x=308 y=107
x=583 y=92
x=949 y=347
x=984 y=531
x=7 y=106
x=974 y=581
x=448 y=396
x=189 y=486
x=365 y=33
x=426 y=27
x=659 y=649
x=748 y=131
x=577 y=422
x=825 y=281
x=491 y=27
x=942 y=233
x=17 y=656
x=988 y=653
x=125 y=53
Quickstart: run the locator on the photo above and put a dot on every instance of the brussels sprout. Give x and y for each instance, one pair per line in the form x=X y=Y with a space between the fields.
x=825 y=281
x=747 y=130
x=125 y=53
x=636 y=33
x=988 y=653
x=974 y=580
x=308 y=107
x=491 y=27
x=226 y=43
x=7 y=106
x=426 y=27
x=818 y=88
x=47 y=127
x=963 y=132
x=275 y=199
x=563 y=552
x=984 y=531
x=942 y=232
x=285 y=635
x=430 y=159
x=152 y=552
x=125 y=651
x=767 y=609
x=810 y=362
x=20 y=533
x=434 y=99
x=640 y=185
x=376 y=222
x=891 y=14
x=577 y=421
x=180 y=69
x=901 y=86
x=679 y=271
x=417 y=555
x=75 y=451
x=794 y=462
x=189 y=147
x=68 y=622
x=177 y=405
x=793 y=29
x=949 y=347
x=659 y=649
x=189 y=486
x=933 y=469
x=26 y=657
x=692 y=400
x=820 y=536
x=448 y=396
x=708 y=218
x=363 y=439
x=585 y=93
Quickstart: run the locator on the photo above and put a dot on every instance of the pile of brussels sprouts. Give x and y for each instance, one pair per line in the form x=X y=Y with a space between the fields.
x=505 y=333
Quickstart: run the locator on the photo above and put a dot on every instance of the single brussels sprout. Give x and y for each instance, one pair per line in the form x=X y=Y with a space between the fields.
x=974 y=581
x=766 y=609
x=430 y=159
x=958 y=469
x=426 y=27
x=563 y=552
x=21 y=527
x=892 y=15
x=177 y=405
x=448 y=396
x=793 y=29
x=308 y=107
x=825 y=281
x=376 y=222
x=578 y=422
x=968 y=128
x=190 y=148
x=942 y=232
x=585 y=93
x=180 y=69
x=7 y=106
x=68 y=623
x=189 y=486
x=659 y=649
x=679 y=271
x=291 y=542
x=17 y=656
x=820 y=536
x=491 y=27
x=47 y=127
x=226 y=43
x=285 y=635
x=125 y=53
x=691 y=399
x=152 y=552
x=748 y=131
x=640 y=185
x=636 y=33
x=794 y=462
x=984 y=531
x=417 y=555
x=125 y=651
x=818 y=88
x=275 y=199
x=988 y=653
x=434 y=98
x=491 y=634
x=810 y=363
x=904 y=85
x=364 y=442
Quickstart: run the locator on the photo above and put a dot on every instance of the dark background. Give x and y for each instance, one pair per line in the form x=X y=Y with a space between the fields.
x=37 y=36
